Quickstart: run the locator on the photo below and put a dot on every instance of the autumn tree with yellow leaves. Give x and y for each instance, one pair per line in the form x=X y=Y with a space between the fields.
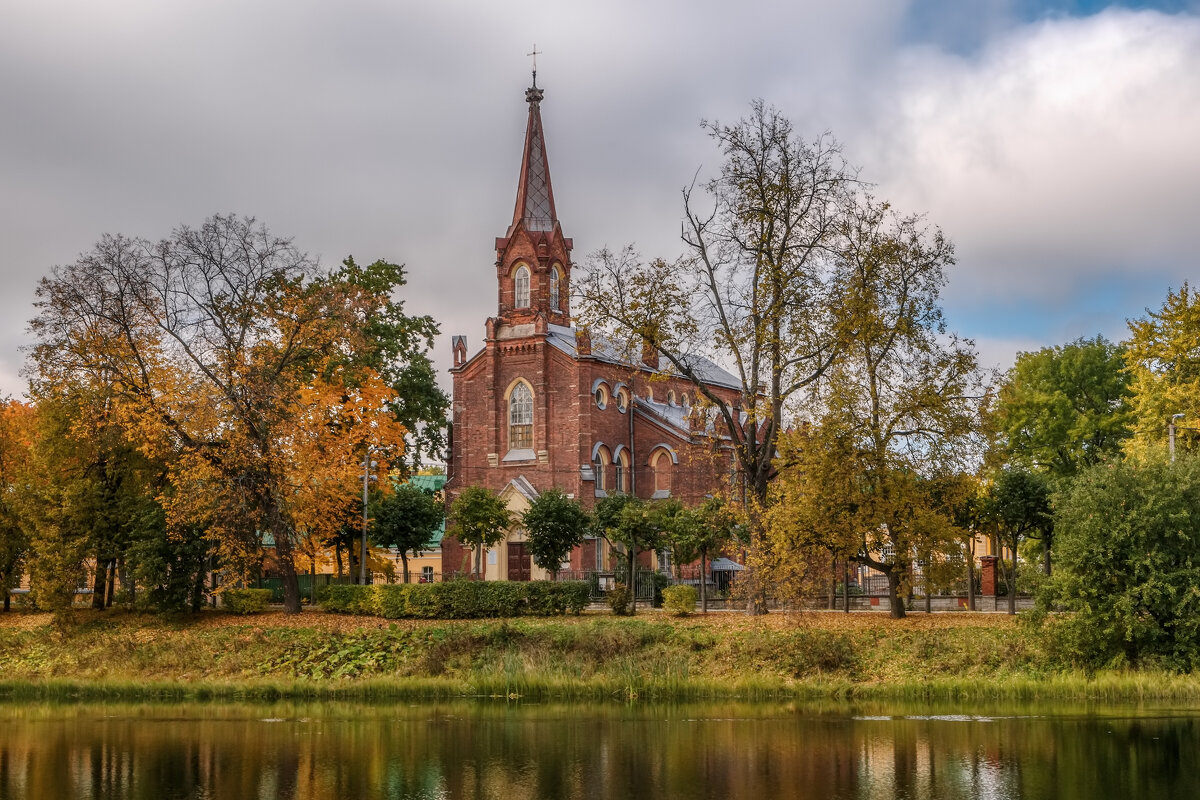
x=16 y=441
x=895 y=415
x=265 y=378
x=1162 y=357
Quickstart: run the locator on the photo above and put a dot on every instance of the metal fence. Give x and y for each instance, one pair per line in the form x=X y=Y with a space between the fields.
x=648 y=582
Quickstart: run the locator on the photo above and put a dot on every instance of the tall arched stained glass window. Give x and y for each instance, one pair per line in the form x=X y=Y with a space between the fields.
x=521 y=287
x=520 y=418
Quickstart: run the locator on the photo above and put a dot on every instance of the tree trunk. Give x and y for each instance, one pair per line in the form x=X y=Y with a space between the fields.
x=404 y=560
x=831 y=600
x=7 y=599
x=337 y=555
x=632 y=581
x=928 y=598
x=126 y=580
x=1012 y=583
x=1046 y=557
x=479 y=562
x=893 y=579
x=111 y=588
x=99 y=583
x=703 y=583
x=971 y=574
x=846 y=586
x=198 y=588
x=284 y=556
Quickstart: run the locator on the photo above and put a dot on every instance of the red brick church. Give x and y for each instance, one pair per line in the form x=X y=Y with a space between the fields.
x=543 y=405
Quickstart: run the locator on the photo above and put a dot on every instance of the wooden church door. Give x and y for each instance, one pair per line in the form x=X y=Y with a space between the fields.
x=518 y=561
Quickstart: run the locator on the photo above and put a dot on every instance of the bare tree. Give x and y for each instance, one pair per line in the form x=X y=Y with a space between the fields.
x=753 y=290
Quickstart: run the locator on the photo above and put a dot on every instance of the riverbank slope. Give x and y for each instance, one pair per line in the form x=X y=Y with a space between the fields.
x=651 y=656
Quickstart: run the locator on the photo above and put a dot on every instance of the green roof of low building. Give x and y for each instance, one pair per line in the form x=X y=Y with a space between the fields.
x=431 y=483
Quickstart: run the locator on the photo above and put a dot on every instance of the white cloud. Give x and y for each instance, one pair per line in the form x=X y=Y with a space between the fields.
x=1064 y=152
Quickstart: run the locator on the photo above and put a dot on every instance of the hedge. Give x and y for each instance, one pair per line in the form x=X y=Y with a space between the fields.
x=456 y=599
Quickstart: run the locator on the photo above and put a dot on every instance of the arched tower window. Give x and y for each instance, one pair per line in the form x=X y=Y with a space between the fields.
x=521 y=287
x=520 y=418
x=555 y=289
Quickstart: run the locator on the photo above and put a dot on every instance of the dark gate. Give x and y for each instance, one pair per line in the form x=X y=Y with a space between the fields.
x=518 y=561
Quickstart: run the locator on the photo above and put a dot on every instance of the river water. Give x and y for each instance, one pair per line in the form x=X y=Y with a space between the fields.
x=494 y=749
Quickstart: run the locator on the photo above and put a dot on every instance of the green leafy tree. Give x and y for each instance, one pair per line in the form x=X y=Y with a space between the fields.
x=1165 y=372
x=1062 y=409
x=1126 y=564
x=554 y=524
x=631 y=523
x=407 y=519
x=1018 y=505
x=480 y=519
x=399 y=353
x=678 y=526
x=715 y=526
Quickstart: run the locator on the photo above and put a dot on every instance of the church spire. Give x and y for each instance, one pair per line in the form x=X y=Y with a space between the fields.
x=533 y=259
x=535 y=198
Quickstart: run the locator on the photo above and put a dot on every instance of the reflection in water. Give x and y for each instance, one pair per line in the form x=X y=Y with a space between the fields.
x=519 y=751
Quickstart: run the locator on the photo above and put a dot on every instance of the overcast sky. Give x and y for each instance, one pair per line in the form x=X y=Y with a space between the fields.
x=1057 y=143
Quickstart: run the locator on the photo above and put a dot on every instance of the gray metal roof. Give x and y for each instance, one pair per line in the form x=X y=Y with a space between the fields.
x=563 y=339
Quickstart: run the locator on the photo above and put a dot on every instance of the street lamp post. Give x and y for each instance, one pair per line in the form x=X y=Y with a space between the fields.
x=1171 y=435
x=362 y=554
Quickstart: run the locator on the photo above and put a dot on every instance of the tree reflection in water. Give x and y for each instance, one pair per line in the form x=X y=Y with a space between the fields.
x=312 y=752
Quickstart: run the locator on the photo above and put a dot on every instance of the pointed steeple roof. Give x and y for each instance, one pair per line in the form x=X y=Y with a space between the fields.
x=535 y=198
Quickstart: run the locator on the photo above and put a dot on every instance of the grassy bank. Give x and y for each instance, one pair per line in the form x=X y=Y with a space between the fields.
x=121 y=656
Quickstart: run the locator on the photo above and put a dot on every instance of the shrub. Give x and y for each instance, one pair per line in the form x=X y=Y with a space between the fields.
x=618 y=599
x=679 y=600
x=550 y=598
x=660 y=582
x=246 y=601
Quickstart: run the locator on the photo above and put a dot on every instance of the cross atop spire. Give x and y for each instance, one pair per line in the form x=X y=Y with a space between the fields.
x=534 y=53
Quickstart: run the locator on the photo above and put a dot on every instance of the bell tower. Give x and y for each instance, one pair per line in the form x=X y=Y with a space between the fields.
x=533 y=258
